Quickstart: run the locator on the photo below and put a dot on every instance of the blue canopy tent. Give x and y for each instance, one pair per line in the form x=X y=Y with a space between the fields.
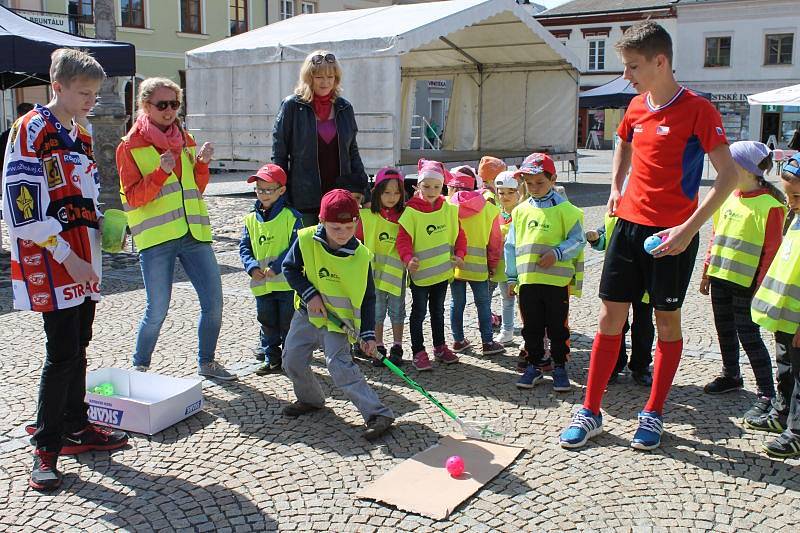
x=613 y=95
x=25 y=49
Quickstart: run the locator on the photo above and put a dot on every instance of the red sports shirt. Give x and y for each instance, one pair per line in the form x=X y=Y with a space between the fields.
x=669 y=144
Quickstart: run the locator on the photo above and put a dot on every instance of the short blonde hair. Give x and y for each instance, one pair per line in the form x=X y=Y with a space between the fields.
x=149 y=86
x=303 y=89
x=68 y=64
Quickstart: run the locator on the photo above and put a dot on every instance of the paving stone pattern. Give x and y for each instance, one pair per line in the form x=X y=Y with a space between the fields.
x=240 y=466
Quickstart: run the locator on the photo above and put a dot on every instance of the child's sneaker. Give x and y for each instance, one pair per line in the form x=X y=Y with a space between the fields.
x=493 y=347
x=506 y=336
x=260 y=352
x=420 y=361
x=773 y=422
x=522 y=361
x=460 y=346
x=723 y=384
x=377 y=362
x=585 y=425
x=648 y=436
x=760 y=407
x=377 y=426
x=396 y=355
x=785 y=446
x=531 y=377
x=561 y=380
x=44 y=474
x=546 y=364
x=443 y=355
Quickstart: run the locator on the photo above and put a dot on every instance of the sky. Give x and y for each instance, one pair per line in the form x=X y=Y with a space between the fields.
x=550 y=3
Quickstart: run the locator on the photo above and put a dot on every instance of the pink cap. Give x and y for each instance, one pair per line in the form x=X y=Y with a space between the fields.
x=537 y=163
x=388 y=173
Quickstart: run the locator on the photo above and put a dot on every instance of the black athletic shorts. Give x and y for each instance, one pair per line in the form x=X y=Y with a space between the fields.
x=629 y=271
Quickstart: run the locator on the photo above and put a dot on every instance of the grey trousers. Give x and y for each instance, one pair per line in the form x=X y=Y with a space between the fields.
x=302 y=340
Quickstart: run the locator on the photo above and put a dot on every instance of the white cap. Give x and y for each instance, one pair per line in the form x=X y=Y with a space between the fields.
x=507 y=180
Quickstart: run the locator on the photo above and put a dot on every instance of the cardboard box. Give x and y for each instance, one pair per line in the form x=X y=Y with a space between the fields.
x=143 y=402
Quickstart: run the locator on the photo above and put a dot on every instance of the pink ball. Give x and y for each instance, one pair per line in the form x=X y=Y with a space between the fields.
x=454 y=465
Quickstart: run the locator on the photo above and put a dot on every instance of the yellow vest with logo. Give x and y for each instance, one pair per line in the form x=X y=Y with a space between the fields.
x=739 y=228
x=177 y=208
x=433 y=236
x=380 y=237
x=477 y=228
x=500 y=273
x=536 y=232
x=340 y=281
x=776 y=304
x=268 y=240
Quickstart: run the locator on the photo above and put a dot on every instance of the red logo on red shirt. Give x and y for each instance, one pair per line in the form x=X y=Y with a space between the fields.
x=33 y=260
x=37 y=278
x=40 y=298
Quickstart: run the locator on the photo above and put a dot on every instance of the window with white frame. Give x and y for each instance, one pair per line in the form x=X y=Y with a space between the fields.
x=597 y=54
x=287 y=9
x=238 y=16
x=718 y=52
x=778 y=49
x=191 y=16
x=308 y=8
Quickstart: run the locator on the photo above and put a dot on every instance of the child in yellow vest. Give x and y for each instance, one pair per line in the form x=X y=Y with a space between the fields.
x=330 y=271
x=479 y=221
x=544 y=256
x=269 y=231
x=508 y=194
x=378 y=232
x=430 y=242
x=746 y=236
x=776 y=308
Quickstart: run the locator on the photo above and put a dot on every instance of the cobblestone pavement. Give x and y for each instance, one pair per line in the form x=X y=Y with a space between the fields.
x=240 y=466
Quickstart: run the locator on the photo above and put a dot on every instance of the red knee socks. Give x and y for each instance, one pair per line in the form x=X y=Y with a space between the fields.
x=605 y=351
x=667 y=358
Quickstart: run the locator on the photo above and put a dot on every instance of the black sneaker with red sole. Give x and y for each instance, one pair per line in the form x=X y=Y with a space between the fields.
x=92 y=438
x=44 y=474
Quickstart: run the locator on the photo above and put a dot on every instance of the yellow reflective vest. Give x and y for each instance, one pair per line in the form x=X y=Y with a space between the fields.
x=500 y=273
x=536 y=232
x=340 y=281
x=739 y=229
x=434 y=237
x=179 y=207
x=477 y=228
x=776 y=304
x=268 y=240
x=380 y=237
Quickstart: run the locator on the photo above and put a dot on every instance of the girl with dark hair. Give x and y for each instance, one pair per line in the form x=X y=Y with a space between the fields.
x=378 y=232
x=747 y=235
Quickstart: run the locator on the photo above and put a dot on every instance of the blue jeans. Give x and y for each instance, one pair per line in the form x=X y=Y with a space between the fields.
x=509 y=309
x=158 y=265
x=458 y=301
x=274 y=312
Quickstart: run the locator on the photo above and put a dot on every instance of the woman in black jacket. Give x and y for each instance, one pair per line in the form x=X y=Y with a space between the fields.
x=314 y=138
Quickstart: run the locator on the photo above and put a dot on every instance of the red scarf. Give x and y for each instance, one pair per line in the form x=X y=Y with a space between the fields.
x=171 y=139
x=322 y=106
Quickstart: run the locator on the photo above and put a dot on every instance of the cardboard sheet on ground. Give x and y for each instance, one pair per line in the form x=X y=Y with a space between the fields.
x=422 y=485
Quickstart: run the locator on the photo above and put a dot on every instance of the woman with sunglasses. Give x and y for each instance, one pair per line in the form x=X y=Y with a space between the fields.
x=314 y=137
x=162 y=179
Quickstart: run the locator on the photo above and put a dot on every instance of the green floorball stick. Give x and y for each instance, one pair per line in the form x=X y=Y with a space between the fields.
x=475 y=429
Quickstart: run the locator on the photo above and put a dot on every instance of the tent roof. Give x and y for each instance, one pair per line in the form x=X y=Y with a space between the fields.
x=783 y=96
x=27 y=47
x=489 y=31
x=616 y=93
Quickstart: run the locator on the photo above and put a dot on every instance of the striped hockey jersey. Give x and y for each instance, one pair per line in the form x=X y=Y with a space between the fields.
x=50 y=192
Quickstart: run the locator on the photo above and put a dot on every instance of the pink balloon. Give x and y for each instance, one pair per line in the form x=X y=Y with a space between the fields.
x=454 y=465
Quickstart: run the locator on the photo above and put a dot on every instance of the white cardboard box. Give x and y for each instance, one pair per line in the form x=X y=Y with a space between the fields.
x=143 y=402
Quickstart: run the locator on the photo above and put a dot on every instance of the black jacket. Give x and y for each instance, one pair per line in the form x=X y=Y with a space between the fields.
x=294 y=148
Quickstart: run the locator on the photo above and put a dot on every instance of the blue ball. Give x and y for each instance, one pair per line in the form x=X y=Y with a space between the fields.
x=651 y=243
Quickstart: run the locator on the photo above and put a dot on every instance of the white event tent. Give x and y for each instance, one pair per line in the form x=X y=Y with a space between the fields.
x=783 y=96
x=514 y=86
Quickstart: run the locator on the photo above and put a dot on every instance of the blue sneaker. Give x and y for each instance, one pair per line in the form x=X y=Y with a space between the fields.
x=585 y=425
x=648 y=436
x=561 y=380
x=531 y=377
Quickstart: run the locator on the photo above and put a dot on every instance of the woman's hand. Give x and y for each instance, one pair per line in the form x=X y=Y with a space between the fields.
x=205 y=153
x=704 y=284
x=167 y=162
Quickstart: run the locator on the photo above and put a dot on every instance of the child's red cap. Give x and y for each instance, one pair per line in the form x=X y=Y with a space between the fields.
x=270 y=173
x=338 y=205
